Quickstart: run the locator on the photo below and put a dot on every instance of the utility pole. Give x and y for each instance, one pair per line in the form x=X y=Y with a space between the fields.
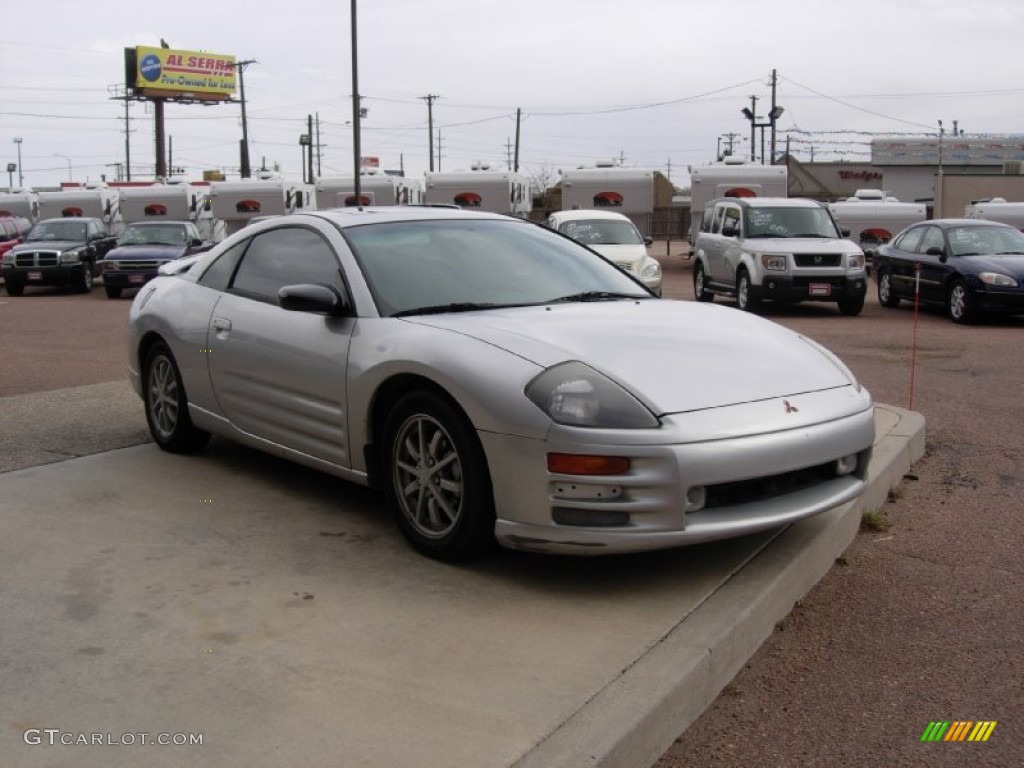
x=318 y=144
x=773 y=115
x=438 y=152
x=246 y=171
x=429 y=98
x=357 y=149
x=753 y=128
x=508 y=153
x=519 y=121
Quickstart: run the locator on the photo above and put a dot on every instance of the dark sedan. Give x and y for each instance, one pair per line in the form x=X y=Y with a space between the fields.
x=143 y=247
x=970 y=266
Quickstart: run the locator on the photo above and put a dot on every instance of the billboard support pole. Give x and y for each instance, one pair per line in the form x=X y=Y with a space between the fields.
x=161 y=157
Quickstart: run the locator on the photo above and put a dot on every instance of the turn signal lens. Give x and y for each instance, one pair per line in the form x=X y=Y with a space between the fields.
x=577 y=464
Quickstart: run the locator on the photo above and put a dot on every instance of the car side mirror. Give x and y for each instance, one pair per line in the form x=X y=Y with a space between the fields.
x=196 y=242
x=935 y=251
x=310 y=297
x=730 y=232
x=648 y=241
x=844 y=233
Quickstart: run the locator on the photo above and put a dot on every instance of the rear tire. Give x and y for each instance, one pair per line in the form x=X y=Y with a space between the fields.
x=436 y=480
x=167 y=405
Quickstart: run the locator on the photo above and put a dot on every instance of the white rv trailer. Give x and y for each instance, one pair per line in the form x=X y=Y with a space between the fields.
x=172 y=202
x=23 y=203
x=871 y=218
x=236 y=203
x=629 y=191
x=732 y=178
x=99 y=202
x=481 y=188
x=374 y=189
x=997 y=209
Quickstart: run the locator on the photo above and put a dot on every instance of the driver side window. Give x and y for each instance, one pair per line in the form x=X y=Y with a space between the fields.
x=286 y=256
x=932 y=239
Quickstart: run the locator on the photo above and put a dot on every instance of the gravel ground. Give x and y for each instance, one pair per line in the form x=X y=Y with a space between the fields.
x=921 y=619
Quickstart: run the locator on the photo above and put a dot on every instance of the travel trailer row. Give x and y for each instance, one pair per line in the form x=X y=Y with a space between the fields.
x=871 y=218
x=733 y=178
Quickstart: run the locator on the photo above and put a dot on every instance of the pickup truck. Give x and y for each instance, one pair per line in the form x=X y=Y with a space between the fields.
x=143 y=247
x=780 y=249
x=62 y=251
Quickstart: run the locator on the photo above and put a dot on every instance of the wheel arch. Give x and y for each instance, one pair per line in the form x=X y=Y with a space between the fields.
x=383 y=401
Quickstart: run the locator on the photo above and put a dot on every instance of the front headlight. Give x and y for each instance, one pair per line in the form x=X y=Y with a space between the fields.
x=856 y=262
x=653 y=269
x=70 y=257
x=773 y=262
x=576 y=395
x=995 y=278
x=110 y=266
x=8 y=258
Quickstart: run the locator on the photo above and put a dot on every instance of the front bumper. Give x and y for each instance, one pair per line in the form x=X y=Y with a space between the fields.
x=128 y=278
x=801 y=288
x=1008 y=302
x=60 y=275
x=760 y=481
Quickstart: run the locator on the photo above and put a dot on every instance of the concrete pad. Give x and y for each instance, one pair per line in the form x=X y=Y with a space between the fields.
x=277 y=612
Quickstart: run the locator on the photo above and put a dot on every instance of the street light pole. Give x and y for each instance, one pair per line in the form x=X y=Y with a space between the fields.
x=21 y=178
x=246 y=169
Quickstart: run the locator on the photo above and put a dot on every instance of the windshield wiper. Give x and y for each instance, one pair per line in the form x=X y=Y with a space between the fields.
x=814 y=234
x=440 y=309
x=1008 y=253
x=596 y=296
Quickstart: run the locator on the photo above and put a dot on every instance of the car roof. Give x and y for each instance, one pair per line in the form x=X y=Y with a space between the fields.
x=587 y=213
x=354 y=217
x=966 y=223
x=770 y=202
x=161 y=223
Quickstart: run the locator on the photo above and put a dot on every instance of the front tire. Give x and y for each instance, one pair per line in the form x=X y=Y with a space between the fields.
x=83 y=283
x=167 y=405
x=113 y=291
x=959 y=304
x=700 y=284
x=886 y=296
x=436 y=480
x=14 y=288
x=746 y=294
x=851 y=307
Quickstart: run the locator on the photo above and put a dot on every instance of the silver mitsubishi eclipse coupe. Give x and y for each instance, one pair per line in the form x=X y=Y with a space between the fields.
x=498 y=382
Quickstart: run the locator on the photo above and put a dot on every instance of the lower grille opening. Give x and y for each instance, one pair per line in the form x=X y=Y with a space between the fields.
x=758 y=488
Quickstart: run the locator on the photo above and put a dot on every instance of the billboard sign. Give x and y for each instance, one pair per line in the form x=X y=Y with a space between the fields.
x=171 y=73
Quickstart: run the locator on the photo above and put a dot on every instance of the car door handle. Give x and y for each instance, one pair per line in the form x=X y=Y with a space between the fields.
x=221 y=324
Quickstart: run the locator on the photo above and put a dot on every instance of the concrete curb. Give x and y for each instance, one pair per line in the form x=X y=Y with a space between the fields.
x=637 y=716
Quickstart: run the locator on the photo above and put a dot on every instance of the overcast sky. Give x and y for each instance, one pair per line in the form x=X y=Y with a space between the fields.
x=654 y=82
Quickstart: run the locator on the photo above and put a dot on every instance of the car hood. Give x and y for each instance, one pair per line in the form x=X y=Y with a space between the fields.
x=48 y=245
x=1008 y=264
x=801 y=245
x=166 y=252
x=675 y=356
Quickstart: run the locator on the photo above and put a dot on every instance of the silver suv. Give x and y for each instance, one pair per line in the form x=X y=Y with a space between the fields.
x=782 y=249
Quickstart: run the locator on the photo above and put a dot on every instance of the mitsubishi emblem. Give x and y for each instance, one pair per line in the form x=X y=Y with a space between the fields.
x=790 y=408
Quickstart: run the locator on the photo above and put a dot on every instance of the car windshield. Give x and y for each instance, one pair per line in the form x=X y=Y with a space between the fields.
x=64 y=229
x=161 y=234
x=601 y=232
x=790 y=222
x=460 y=265
x=971 y=240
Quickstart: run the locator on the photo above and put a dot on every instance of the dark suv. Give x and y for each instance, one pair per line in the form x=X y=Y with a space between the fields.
x=57 y=252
